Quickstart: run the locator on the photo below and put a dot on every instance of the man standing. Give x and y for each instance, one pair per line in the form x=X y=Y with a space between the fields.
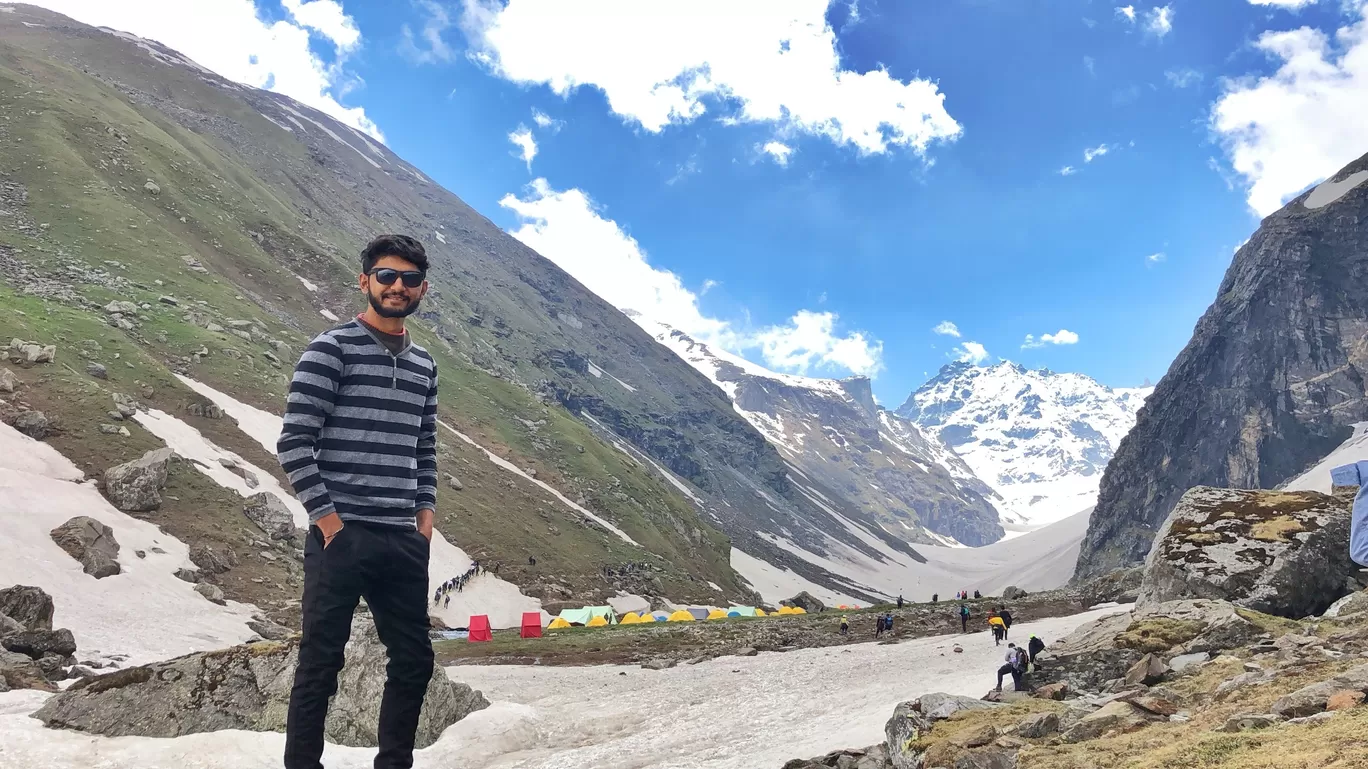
x=1016 y=665
x=360 y=447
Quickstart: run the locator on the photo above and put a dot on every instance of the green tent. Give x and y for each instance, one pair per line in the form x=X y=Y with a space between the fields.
x=582 y=616
x=744 y=611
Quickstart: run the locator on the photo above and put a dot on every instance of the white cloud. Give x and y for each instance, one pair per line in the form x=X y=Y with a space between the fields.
x=228 y=37
x=1154 y=259
x=708 y=285
x=776 y=62
x=522 y=138
x=1092 y=153
x=1068 y=171
x=1089 y=23
x=546 y=122
x=970 y=352
x=1159 y=20
x=1291 y=129
x=946 y=328
x=1127 y=11
x=779 y=151
x=566 y=227
x=428 y=46
x=809 y=341
x=1183 y=78
x=1289 y=4
x=1090 y=64
x=1064 y=336
x=327 y=18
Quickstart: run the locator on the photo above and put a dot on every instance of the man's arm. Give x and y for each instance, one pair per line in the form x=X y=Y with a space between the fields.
x=426 y=501
x=313 y=392
x=1352 y=475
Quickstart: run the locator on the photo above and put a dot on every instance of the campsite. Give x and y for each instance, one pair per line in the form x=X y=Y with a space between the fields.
x=633 y=642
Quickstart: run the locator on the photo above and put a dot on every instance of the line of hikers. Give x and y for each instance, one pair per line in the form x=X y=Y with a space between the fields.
x=458 y=583
x=883 y=623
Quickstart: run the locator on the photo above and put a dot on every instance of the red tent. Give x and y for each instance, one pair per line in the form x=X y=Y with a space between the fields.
x=479 y=628
x=531 y=624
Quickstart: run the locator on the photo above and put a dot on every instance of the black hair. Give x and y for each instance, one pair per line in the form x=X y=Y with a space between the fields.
x=402 y=246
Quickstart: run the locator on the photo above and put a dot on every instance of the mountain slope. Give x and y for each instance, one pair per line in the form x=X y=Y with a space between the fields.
x=1040 y=439
x=1271 y=382
x=832 y=431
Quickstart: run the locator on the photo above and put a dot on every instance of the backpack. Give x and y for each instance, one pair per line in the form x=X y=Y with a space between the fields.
x=1022 y=659
x=964 y=611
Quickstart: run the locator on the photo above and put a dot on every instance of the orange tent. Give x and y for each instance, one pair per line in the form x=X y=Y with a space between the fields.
x=531 y=625
x=479 y=628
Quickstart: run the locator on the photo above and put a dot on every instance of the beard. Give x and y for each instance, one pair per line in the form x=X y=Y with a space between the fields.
x=389 y=312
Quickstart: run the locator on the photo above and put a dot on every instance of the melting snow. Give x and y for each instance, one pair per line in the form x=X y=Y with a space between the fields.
x=307 y=283
x=595 y=371
x=327 y=314
x=277 y=122
x=285 y=106
x=1330 y=191
x=1354 y=449
x=440 y=236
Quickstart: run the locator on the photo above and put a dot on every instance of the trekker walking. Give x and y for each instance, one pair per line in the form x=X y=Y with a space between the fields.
x=999 y=631
x=964 y=618
x=359 y=445
x=935 y=598
x=900 y=602
x=878 y=626
x=845 y=625
x=1006 y=620
x=1016 y=665
x=1033 y=647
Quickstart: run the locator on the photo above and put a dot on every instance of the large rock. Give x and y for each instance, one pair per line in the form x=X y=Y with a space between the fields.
x=27 y=605
x=1012 y=592
x=905 y=735
x=1313 y=699
x=136 y=486
x=1277 y=552
x=1116 y=717
x=90 y=542
x=248 y=687
x=939 y=706
x=1351 y=604
x=1039 y=725
x=211 y=593
x=1270 y=383
x=270 y=515
x=31 y=352
x=1149 y=670
x=20 y=671
x=1115 y=586
x=211 y=560
x=33 y=423
x=9 y=626
x=38 y=643
x=1087 y=659
x=805 y=601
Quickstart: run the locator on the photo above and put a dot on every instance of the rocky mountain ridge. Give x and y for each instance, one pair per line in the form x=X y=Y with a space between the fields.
x=1271 y=381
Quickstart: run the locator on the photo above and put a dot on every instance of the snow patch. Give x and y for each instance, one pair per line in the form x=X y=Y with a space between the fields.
x=307 y=283
x=328 y=314
x=285 y=106
x=440 y=237
x=1354 y=449
x=1330 y=191
x=595 y=371
x=278 y=123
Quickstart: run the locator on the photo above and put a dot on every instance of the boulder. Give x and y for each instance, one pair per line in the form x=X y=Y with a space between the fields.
x=126 y=405
x=1116 y=717
x=270 y=630
x=1149 y=670
x=939 y=706
x=904 y=734
x=453 y=482
x=211 y=593
x=1153 y=702
x=27 y=605
x=211 y=560
x=248 y=687
x=90 y=542
x=8 y=381
x=38 y=643
x=270 y=515
x=151 y=188
x=20 y=671
x=121 y=308
x=1183 y=662
x=659 y=664
x=1315 y=698
x=1087 y=659
x=807 y=602
x=1229 y=632
x=976 y=738
x=136 y=486
x=1349 y=605
x=1056 y=691
x=1039 y=725
x=187 y=575
x=53 y=666
x=31 y=352
x=1249 y=722
x=1344 y=699
x=1277 y=552
x=1230 y=686
x=97 y=370
x=1012 y=592
x=34 y=424
x=988 y=758
x=171 y=300
x=9 y=626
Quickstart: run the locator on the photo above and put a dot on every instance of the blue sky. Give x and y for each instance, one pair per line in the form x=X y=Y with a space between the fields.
x=1087 y=175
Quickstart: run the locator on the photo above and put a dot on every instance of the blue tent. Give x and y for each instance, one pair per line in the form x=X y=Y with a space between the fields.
x=661 y=616
x=733 y=613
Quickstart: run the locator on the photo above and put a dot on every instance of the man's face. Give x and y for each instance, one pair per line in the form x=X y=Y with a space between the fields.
x=395 y=300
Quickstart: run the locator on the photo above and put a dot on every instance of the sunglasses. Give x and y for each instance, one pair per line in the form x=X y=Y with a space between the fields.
x=386 y=277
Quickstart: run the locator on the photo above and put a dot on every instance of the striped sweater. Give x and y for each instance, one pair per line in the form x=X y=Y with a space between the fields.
x=360 y=433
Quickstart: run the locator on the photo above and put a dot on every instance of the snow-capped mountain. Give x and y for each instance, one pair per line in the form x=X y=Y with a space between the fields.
x=1039 y=438
x=832 y=431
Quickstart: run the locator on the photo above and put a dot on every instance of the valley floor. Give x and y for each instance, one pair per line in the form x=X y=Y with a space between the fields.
x=731 y=712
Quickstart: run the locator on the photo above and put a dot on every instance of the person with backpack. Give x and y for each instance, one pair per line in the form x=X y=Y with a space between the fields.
x=1034 y=647
x=999 y=631
x=900 y=602
x=1006 y=620
x=935 y=598
x=964 y=618
x=845 y=625
x=878 y=626
x=1017 y=660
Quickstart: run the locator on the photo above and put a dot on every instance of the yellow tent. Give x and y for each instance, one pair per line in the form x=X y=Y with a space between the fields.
x=798 y=610
x=681 y=616
x=646 y=619
x=760 y=613
x=630 y=618
x=597 y=622
x=717 y=614
x=785 y=610
x=557 y=624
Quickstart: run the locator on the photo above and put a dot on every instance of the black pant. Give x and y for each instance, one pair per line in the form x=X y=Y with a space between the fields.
x=389 y=566
x=998 y=635
x=964 y=624
x=1016 y=677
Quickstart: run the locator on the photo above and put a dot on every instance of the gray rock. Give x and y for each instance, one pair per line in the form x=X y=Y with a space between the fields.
x=211 y=560
x=1228 y=632
x=9 y=626
x=126 y=405
x=27 y=605
x=1183 y=662
x=20 y=671
x=1242 y=681
x=31 y=352
x=90 y=542
x=53 y=666
x=1313 y=719
x=171 y=300
x=112 y=429
x=239 y=333
x=659 y=664
x=81 y=671
x=211 y=593
x=187 y=575
x=1351 y=604
x=270 y=515
x=1249 y=722
x=987 y=758
x=1039 y=725
x=939 y=706
x=903 y=734
x=34 y=424
x=136 y=486
x=1277 y=552
x=248 y=687
x=37 y=643
x=1149 y=670
x=1087 y=659
x=8 y=381
x=748 y=651
x=97 y=370
x=151 y=188
x=453 y=483
x=1012 y=592
x=805 y=601
x=121 y=308
x=269 y=630
x=1117 y=717
x=1313 y=699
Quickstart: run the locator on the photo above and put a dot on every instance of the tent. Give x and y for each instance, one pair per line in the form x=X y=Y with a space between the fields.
x=717 y=614
x=698 y=612
x=582 y=616
x=661 y=616
x=531 y=625
x=558 y=623
x=681 y=616
x=479 y=628
x=743 y=611
x=599 y=621
x=785 y=610
x=733 y=613
x=761 y=613
x=630 y=618
x=647 y=618
x=798 y=610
